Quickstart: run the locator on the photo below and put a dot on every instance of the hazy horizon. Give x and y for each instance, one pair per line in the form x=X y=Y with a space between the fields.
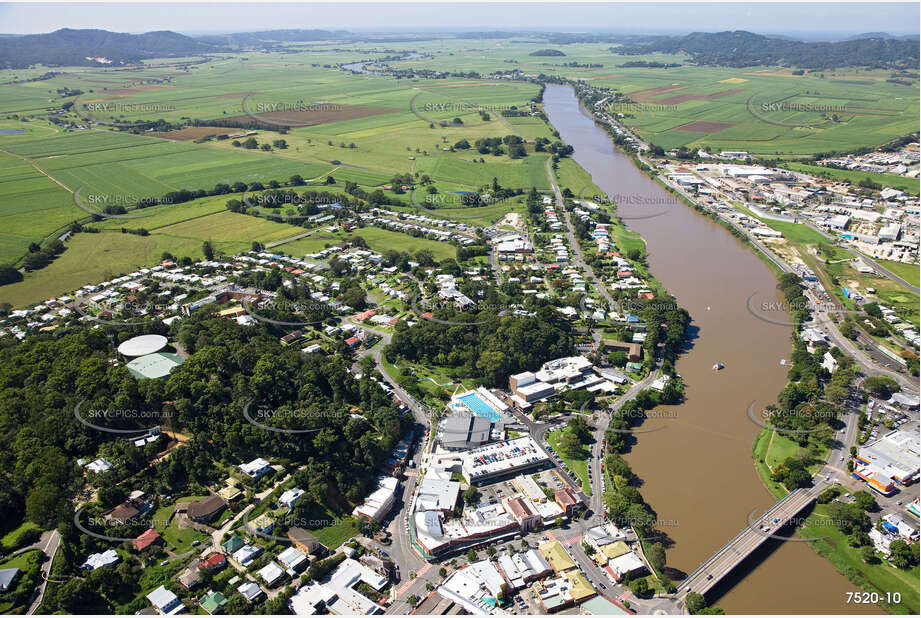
x=791 y=19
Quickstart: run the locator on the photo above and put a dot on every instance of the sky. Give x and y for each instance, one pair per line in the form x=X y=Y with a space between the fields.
x=804 y=20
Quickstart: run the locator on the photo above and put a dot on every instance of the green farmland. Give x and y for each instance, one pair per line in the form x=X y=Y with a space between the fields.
x=368 y=128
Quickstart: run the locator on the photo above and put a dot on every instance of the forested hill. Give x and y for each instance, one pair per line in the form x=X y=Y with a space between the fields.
x=354 y=424
x=68 y=47
x=740 y=49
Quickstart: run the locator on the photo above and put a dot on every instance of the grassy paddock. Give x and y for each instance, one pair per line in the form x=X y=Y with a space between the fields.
x=579 y=465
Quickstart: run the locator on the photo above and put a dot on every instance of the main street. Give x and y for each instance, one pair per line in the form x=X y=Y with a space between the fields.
x=401 y=552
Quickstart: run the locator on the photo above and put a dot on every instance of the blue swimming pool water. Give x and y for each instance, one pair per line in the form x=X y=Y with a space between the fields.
x=11 y=131
x=479 y=407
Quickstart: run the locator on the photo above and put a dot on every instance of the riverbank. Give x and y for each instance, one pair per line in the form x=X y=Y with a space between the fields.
x=712 y=275
x=874 y=578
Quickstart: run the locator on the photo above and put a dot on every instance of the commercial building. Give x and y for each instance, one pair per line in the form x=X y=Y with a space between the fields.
x=475 y=588
x=892 y=459
x=153 y=366
x=502 y=460
x=561 y=592
x=568 y=501
x=600 y=538
x=463 y=430
x=526 y=484
x=625 y=564
x=437 y=536
x=528 y=519
x=525 y=387
x=378 y=504
x=557 y=557
x=437 y=493
x=523 y=568
x=342 y=598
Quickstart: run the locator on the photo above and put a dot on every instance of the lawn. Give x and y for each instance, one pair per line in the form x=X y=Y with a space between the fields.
x=570 y=175
x=19 y=561
x=908 y=272
x=338 y=530
x=625 y=240
x=179 y=541
x=381 y=240
x=18 y=536
x=578 y=465
x=780 y=447
x=880 y=578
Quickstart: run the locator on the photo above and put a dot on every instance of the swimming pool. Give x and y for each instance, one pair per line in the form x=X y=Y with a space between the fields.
x=479 y=407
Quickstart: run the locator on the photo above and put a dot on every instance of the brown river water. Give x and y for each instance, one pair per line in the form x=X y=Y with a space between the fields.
x=697 y=471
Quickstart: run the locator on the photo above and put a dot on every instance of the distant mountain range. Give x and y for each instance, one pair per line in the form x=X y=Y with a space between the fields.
x=68 y=47
x=741 y=49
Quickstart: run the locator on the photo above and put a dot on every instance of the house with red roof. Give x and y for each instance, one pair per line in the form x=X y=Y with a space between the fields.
x=361 y=317
x=147 y=538
x=214 y=562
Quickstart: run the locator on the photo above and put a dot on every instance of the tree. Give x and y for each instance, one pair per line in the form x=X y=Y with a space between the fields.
x=848 y=329
x=882 y=386
x=442 y=572
x=900 y=554
x=864 y=500
x=695 y=602
x=569 y=445
x=208 y=250
x=640 y=587
x=472 y=556
x=656 y=556
x=8 y=274
x=471 y=495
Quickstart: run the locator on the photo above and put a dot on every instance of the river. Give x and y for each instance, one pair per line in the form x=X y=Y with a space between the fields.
x=698 y=472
